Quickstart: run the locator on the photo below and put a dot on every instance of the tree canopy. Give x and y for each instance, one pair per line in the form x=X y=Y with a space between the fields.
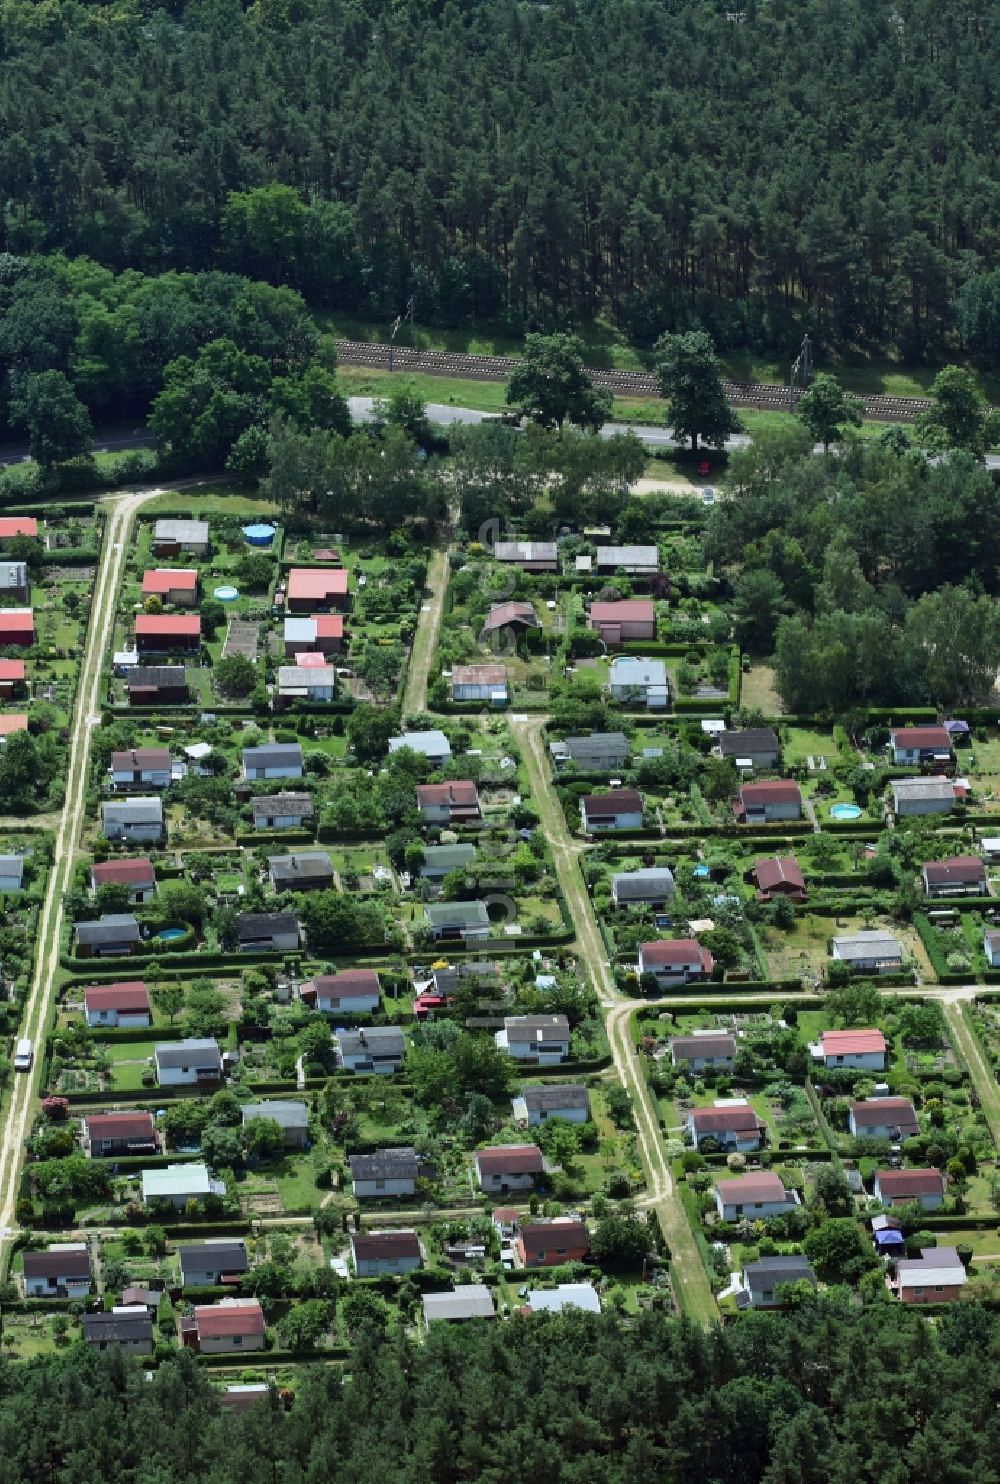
x=362 y=154
x=827 y=1394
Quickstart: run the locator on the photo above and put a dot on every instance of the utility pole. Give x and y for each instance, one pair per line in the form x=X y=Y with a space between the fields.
x=801 y=373
x=409 y=309
x=392 y=336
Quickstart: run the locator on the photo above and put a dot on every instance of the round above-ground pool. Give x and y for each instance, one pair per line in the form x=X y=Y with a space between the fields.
x=845 y=811
x=170 y=935
x=259 y=534
x=227 y=593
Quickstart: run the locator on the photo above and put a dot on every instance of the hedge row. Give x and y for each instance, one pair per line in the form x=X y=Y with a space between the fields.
x=229 y=962
x=123 y=1164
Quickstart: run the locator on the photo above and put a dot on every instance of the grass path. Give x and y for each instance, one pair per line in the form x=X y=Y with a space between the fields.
x=24 y=1093
x=426 y=637
x=693 y=1291
x=979 y=1069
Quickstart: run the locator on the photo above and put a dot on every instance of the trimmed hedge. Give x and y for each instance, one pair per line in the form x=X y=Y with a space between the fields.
x=207 y=960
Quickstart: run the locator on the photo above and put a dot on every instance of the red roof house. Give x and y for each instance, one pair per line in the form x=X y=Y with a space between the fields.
x=172 y=584
x=317 y=587
x=136 y=873
x=900 y=1187
x=630 y=618
x=123 y=1003
x=675 y=960
x=109 y=1134
x=548 y=1244
x=232 y=1325
x=734 y=1125
x=17 y=626
x=441 y=803
x=861 y=1048
x=509 y=1167
x=159 y=632
x=760 y=803
x=780 y=876
x=16 y=721
x=17 y=525
x=11 y=675
x=511 y=616
x=909 y=743
x=357 y=990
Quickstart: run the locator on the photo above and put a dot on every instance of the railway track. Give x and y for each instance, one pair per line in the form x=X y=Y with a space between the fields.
x=762 y=395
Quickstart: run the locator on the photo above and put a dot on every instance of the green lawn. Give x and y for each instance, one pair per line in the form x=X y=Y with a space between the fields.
x=802 y=742
x=208 y=499
x=606 y=346
x=128 y=1050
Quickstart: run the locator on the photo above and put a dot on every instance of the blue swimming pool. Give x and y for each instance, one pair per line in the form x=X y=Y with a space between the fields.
x=227 y=593
x=170 y=935
x=259 y=534
x=845 y=811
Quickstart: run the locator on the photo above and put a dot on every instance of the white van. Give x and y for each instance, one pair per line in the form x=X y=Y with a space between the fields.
x=24 y=1055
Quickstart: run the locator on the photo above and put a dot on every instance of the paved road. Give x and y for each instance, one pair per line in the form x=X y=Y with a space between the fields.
x=446 y=416
x=17 y=1123
x=441 y=413
x=112 y=440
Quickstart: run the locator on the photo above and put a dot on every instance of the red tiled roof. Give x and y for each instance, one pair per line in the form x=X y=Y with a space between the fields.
x=505 y=613
x=852 y=1043
x=542 y=1236
x=18 y=525
x=185 y=624
x=628 y=610
x=137 y=872
x=160 y=580
x=316 y=582
x=215 y=1321
x=777 y=871
x=17 y=620
x=752 y=1188
x=11 y=670
x=461 y=792
x=329 y=625
x=127 y=994
x=385 y=1244
x=510 y=1159
x=348 y=982
x=774 y=791
x=910 y=1182
x=923 y=737
x=15 y=722
x=962 y=868
x=674 y=951
x=738 y=1117
x=120 y=1125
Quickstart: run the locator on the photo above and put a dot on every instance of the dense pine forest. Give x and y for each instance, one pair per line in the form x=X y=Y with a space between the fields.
x=825 y=1395
x=758 y=167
